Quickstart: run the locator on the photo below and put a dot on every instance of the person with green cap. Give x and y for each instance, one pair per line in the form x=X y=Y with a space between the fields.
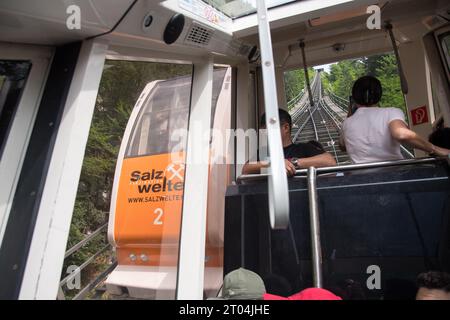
x=242 y=284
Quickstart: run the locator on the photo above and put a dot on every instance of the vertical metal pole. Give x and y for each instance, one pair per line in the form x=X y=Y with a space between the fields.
x=191 y=261
x=315 y=228
x=277 y=182
x=305 y=68
x=320 y=86
x=403 y=81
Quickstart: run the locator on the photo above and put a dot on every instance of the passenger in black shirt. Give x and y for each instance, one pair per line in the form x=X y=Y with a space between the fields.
x=297 y=156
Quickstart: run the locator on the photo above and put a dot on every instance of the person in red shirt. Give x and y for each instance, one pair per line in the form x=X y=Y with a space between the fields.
x=307 y=294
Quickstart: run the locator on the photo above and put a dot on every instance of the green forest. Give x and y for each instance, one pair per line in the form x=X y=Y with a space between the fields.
x=384 y=67
x=294 y=82
x=343 y=74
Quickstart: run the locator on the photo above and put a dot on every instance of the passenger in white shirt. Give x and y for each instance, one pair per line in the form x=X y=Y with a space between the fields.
x=374 y=134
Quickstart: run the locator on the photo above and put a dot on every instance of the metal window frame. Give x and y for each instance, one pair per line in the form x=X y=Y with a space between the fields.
x=16 y=244
x=46 y=255
x=439 y=73
x=439 y=36
x=286 y=13
x=15 y=146
x=191 y=262
x=242 y=113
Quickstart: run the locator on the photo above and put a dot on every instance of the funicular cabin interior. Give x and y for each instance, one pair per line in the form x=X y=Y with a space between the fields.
x=320 y=228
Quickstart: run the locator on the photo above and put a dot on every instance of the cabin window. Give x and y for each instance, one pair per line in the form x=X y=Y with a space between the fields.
x=13 y=77
x=445 y=43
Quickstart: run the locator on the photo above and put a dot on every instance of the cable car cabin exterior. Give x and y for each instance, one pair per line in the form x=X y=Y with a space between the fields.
x=149 y=179
x=176 y=225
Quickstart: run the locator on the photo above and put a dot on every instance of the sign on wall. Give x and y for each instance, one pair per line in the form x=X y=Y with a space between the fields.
x=419 y=115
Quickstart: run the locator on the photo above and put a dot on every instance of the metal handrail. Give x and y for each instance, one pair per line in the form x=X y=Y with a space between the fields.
x=407 y=152
x=299 y=96
x=314 y=224
x=370 y=165
x=342 y=104
x=94 y=283
x=296 y=99
x=297 y=113
x=84 y=265
x=333 y=97
x=80 y=244
x=330 y=91
x=350 y=167
x=85 y=290
x=333 y=115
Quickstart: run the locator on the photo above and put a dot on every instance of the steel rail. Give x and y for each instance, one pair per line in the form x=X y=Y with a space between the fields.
x=350 y=167
x=80 y=244
x=329 y=134
x=84 y=265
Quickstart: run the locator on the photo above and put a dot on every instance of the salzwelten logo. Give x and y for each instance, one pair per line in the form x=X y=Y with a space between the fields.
x=157 y=181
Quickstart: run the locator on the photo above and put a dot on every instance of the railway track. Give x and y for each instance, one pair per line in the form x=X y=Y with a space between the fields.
x=321 y=121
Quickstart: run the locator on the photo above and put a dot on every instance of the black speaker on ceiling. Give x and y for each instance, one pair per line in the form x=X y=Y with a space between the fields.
x=174 y=28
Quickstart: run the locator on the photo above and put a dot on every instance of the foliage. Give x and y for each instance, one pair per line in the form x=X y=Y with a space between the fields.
x=294 y=82
x=383 y=66
x=387 y=73
x=343 y=75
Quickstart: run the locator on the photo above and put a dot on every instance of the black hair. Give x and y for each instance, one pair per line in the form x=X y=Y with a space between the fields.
x=350 y=289
x=434 y=280
x=399 y=289
x=440 y=138
x=276 y=284
x=285 y=117
x=367 y=91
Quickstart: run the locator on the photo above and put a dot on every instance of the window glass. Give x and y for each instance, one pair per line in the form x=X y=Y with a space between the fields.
x=144 y=228
x=445 y=43
x=165 y=110
x=219 y=179
x=13 y=77
x=239 y=8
